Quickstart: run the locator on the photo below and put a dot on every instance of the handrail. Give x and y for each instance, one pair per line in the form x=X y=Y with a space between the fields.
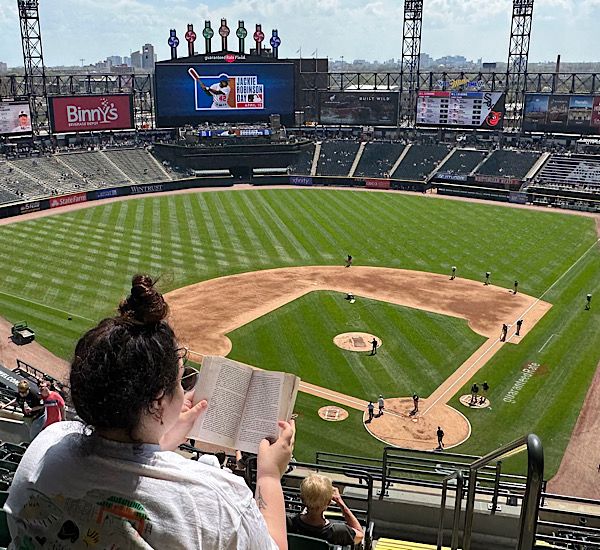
x=459 y=476
x=531 y=499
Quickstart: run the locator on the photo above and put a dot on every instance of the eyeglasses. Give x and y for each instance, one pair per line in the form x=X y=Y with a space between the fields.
x=189 y=378
x=190 y=374
x=183 y=354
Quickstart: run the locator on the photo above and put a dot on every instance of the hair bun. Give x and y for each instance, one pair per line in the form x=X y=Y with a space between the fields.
x=145 y=304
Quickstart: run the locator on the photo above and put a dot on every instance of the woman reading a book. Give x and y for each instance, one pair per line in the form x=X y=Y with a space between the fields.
x=113 y=480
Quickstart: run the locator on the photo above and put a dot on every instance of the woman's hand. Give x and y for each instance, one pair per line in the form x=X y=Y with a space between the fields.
x=178 y=433
x=273 y=458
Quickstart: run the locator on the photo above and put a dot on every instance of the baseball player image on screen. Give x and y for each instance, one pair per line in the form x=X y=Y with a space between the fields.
x=219 y=92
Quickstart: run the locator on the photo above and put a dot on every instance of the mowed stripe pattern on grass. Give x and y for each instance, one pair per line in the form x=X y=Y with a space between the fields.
x=419 y=350
x=81 y=262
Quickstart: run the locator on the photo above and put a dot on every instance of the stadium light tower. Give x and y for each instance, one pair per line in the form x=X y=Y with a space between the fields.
x=33 y=59
x=411 y=54
x=518 y=55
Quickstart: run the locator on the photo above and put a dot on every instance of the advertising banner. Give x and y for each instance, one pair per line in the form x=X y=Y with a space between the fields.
x=15 y=119
x=91 y=113
x=497 y=180
x=358 y=108
x=65 y=200
x=30 y=207
x=229 y=92
x=516 y=197
x=148 y=188
x=562 y=113
x=378 y=184
x=483 y=110
x=105 y=194
x=301 y=180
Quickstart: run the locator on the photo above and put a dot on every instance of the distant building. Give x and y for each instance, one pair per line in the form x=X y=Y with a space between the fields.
x=3 y=67
x=136 y=60
x=127 y=61
x=148 y=57
x=115 y=60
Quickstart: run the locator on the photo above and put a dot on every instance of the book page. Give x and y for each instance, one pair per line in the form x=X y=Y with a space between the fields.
x=224 y=384
x=269 y=399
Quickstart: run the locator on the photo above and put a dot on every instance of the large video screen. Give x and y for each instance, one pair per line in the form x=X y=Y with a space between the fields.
x=15 y=119
x=373 y=108
x=90 y=113
x=483 y=110
x=228 y=92
x=567 y=114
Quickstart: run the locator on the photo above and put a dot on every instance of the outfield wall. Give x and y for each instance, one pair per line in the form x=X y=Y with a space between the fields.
x=466 y=190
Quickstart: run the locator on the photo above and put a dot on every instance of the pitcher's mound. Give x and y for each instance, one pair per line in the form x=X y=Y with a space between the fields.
x=356 y=341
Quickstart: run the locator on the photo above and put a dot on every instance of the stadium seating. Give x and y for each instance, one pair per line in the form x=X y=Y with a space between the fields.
x=570 y=172
x=336 y=157
x=420 y=161
x=16 y=185
x=378 y=158
x=94 y=169
x=462 y=162
x=137 y=164
x=303 y=164
x=508 y=163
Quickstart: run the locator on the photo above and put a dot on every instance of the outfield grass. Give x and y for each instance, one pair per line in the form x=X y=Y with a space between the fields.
x=420 y=349
x=81 y=263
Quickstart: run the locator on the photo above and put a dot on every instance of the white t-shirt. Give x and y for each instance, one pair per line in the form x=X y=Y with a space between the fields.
x=74 y=491
x=220 y=99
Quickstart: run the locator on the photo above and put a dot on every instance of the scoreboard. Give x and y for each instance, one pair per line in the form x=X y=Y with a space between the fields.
x=461 y=109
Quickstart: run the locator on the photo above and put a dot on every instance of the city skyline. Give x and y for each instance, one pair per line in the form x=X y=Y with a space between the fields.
x=82 y=29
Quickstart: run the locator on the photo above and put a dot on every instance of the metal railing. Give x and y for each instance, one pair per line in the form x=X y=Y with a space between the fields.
x=531 y=498
x=459 y=476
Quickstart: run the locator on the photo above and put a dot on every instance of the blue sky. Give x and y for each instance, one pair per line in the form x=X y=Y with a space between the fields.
x=365 y=29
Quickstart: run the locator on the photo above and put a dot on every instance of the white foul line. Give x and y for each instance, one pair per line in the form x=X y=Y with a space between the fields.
x=551 y=336
x=536 y=301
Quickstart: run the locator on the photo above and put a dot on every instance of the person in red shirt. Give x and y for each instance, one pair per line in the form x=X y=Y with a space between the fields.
x=54 y=404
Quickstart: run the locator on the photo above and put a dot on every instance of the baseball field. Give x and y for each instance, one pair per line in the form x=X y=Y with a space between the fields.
x=63 y=272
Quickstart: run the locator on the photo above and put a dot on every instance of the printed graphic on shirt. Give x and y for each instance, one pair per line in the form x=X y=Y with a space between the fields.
x=94 y=521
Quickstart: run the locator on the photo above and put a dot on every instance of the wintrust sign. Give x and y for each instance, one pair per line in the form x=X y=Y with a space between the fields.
x=91 y=113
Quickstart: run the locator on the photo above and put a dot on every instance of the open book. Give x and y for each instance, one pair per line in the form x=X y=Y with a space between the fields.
x=244 y=403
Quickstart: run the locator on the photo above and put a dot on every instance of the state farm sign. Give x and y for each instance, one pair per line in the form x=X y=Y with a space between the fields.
x=85 y=113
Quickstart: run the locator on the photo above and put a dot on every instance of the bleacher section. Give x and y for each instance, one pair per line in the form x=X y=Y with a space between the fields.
x=137 y=165
x=8 y=181
x=19 y=185
x=508 y=163
x=378 y=158
x=94 y=169
x=462 y=162
x=51 y=173
x=420 y=161
x=303 y=163
x=44 y=176
x=570 y=172
x=336 y=157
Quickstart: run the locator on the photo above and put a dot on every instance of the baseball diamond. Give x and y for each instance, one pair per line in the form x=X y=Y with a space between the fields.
x=233 y=259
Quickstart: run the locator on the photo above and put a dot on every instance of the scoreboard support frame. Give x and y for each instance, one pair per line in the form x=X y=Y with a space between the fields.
x=411 y=54
x=518 y=57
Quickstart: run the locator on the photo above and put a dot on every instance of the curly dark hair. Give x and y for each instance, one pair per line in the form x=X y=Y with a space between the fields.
x=124 y=363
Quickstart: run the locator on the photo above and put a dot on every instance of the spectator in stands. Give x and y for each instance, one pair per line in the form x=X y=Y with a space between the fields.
x=31 y=406
x=317 y=492
x=53 y=403
x=114 y=475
